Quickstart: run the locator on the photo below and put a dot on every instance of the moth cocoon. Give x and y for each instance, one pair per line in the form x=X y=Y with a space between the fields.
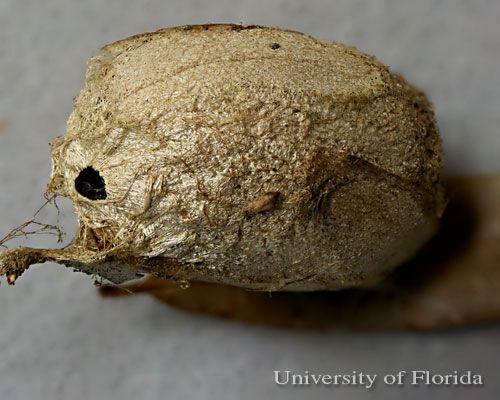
x=243 y=155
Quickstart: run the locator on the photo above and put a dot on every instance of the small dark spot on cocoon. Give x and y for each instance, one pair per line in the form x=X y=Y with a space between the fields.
x=90 y=184
x=275 y=46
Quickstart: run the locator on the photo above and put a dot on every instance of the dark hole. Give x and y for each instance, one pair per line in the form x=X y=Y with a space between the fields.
x=275 y=46
x=90 y=184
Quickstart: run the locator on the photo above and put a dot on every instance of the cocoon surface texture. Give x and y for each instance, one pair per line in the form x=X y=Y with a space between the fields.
x=248 y=156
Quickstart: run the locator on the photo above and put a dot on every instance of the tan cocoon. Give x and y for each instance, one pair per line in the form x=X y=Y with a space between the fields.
x=244 y=155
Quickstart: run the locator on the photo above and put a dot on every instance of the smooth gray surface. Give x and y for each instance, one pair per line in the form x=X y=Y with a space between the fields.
x=58 y=340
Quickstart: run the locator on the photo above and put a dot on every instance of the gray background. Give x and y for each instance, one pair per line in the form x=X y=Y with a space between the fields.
x=59 y=340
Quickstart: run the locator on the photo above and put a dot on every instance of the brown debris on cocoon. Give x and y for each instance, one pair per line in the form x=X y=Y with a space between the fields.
x=263 y=203
x=179 y=134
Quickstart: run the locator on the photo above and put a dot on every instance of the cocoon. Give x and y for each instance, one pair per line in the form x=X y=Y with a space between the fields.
x=244 y=155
